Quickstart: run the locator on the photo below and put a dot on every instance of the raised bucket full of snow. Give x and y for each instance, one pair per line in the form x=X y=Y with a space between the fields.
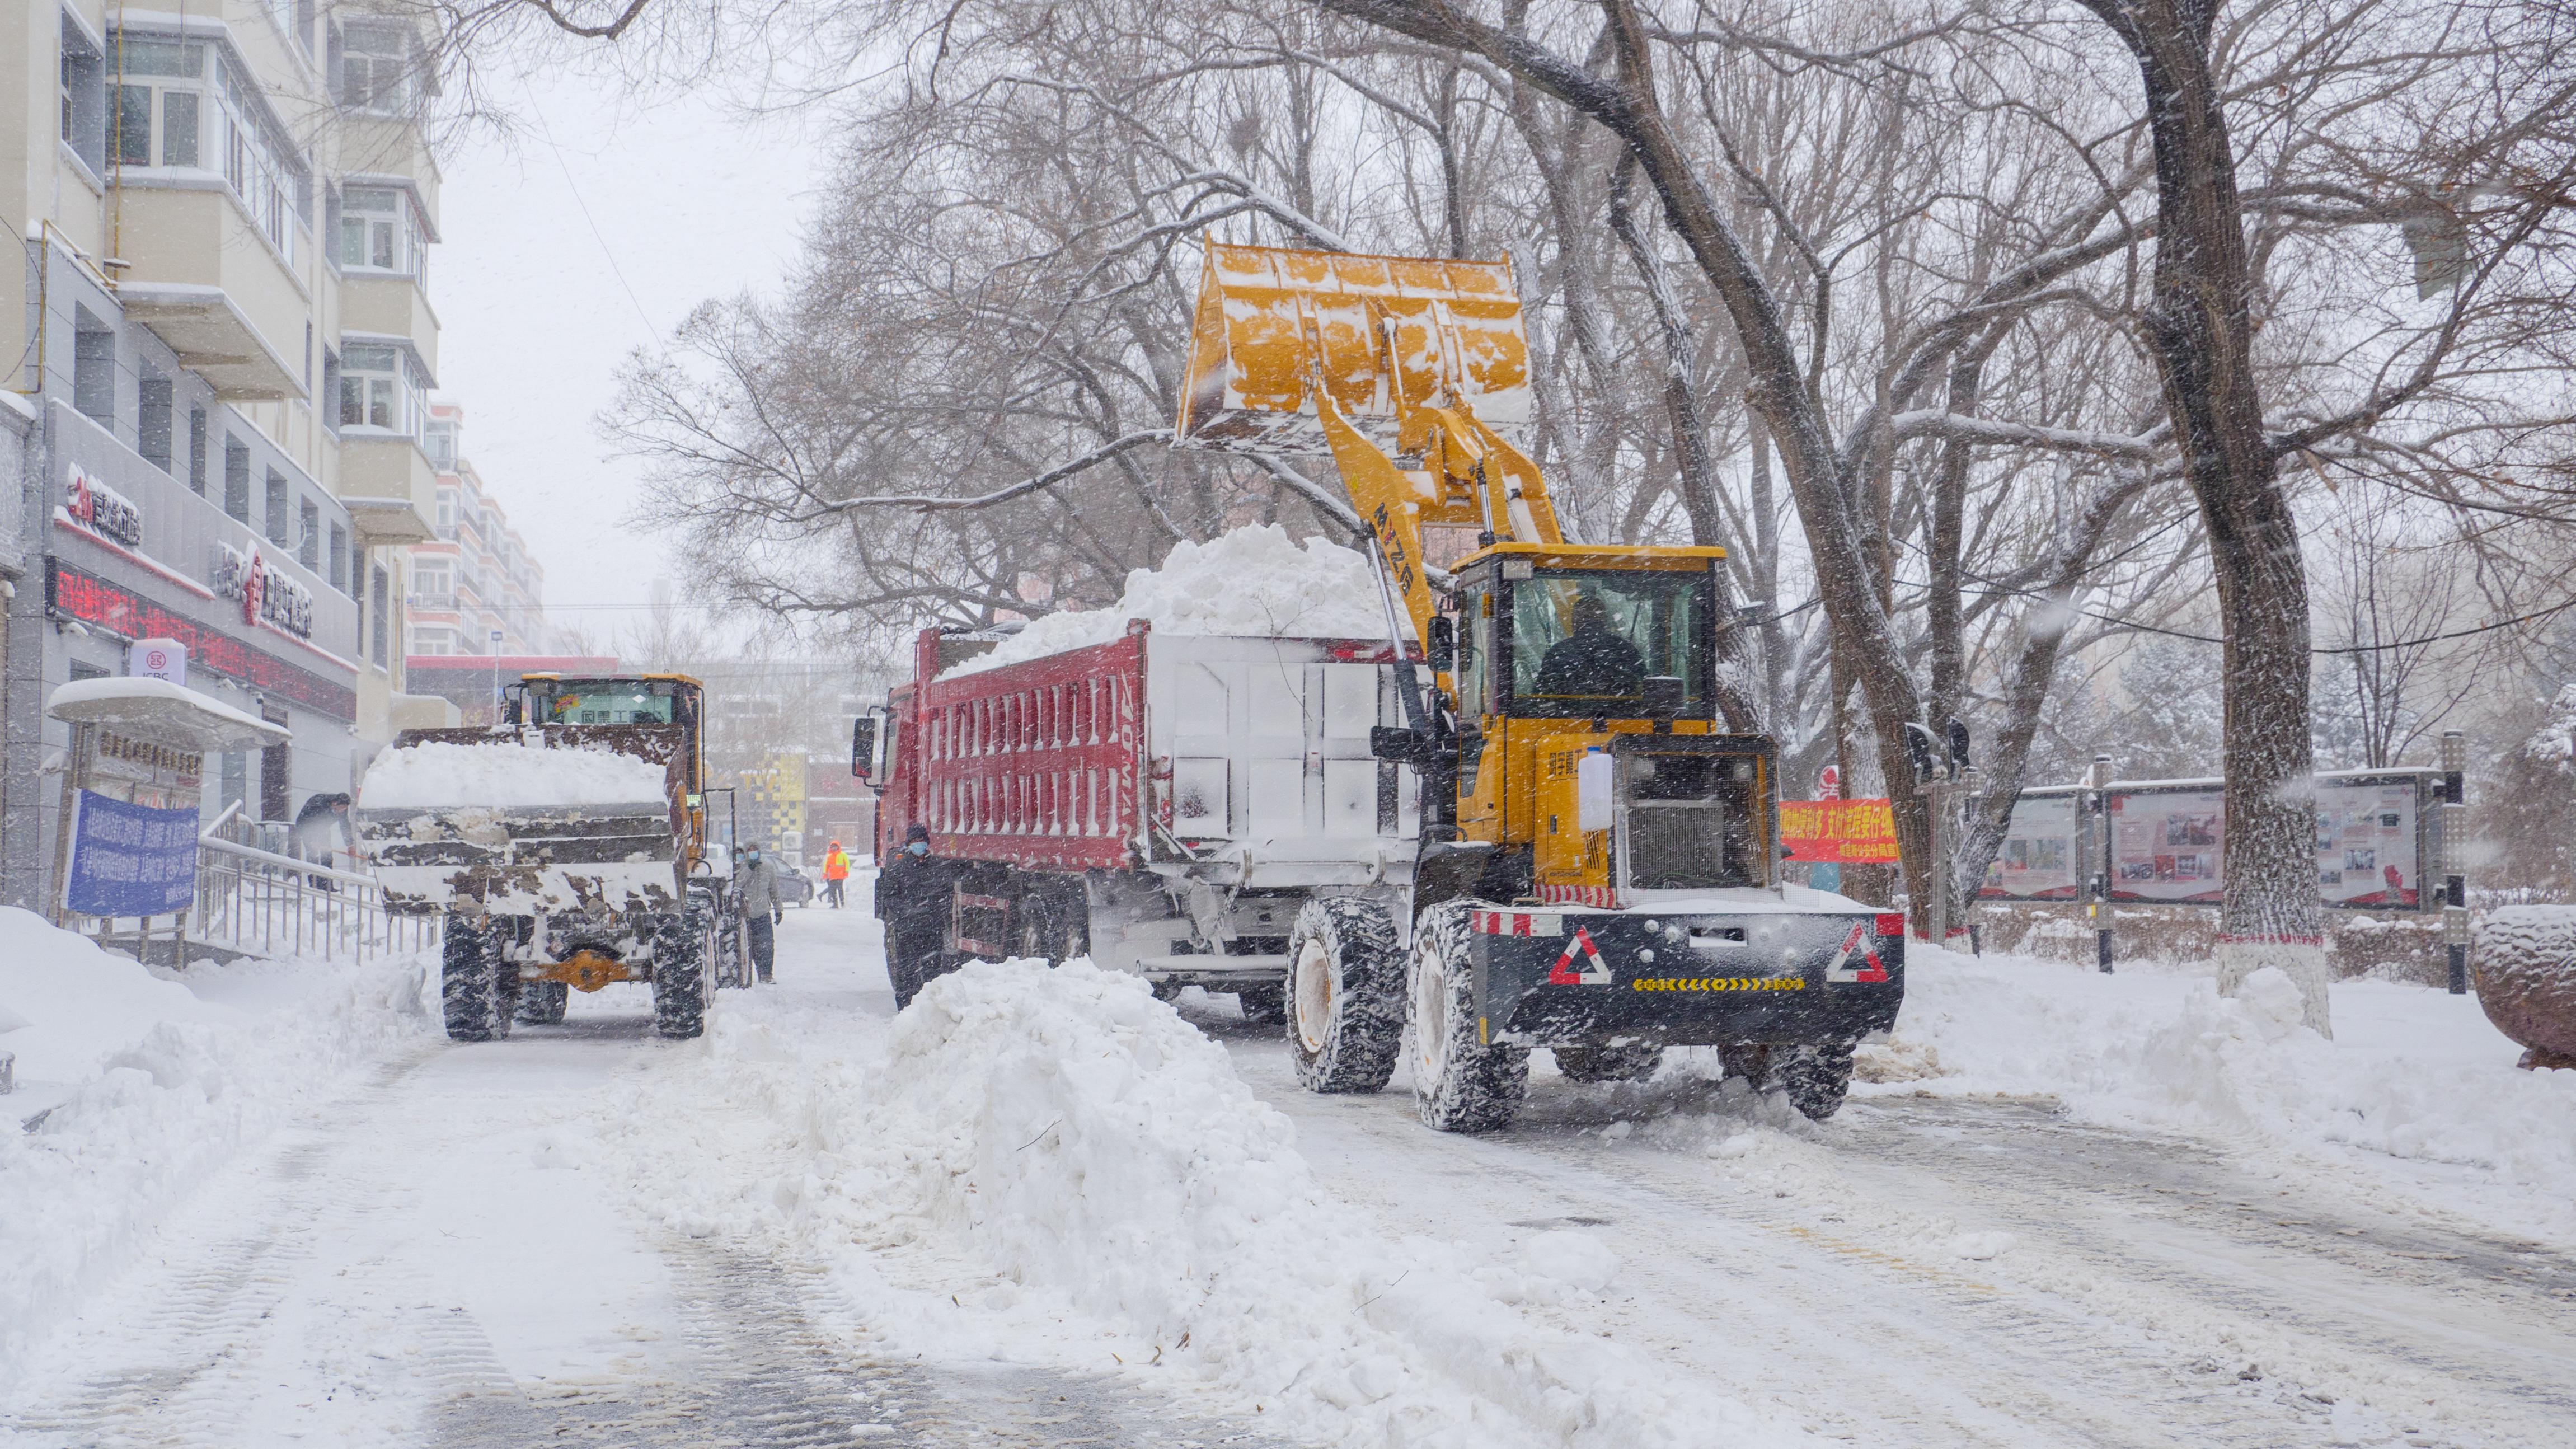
x=2526 y=967
x=511 y=826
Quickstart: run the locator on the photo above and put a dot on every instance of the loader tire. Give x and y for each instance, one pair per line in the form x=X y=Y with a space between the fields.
x=542 y=1003
x=1344 y=999
x=1816 y=1079
x=1631 y=1063
x=469 y=980
x=680 y=966
x=1460 y=1084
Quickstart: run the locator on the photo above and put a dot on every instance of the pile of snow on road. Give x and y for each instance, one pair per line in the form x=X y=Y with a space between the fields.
x=1255 y=582
x=138 y=1087
x=1067 y=1133
x=506 y=772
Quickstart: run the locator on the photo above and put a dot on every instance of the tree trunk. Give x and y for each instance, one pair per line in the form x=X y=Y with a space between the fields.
x=2200 y=329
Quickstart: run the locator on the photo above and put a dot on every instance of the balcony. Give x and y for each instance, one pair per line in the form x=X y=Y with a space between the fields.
x=208 y=284
x=389 y=147
x=388 y=486
x=389 y=304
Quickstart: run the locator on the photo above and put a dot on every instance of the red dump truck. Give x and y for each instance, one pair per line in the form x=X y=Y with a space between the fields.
x=1163 y=803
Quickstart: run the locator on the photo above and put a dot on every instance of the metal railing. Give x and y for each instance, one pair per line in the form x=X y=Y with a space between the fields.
x=257 y=899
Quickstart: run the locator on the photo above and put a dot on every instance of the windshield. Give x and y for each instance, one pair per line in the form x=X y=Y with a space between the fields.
x=609 y=702
x=1585 y=643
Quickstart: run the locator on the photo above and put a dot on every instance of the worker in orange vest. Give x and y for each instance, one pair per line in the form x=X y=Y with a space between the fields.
x=836 y=873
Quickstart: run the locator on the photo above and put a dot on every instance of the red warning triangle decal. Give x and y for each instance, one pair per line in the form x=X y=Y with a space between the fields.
x=1594 y=972
x=1841 y=970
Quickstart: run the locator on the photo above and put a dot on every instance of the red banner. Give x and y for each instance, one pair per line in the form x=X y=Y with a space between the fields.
x=1838 y=832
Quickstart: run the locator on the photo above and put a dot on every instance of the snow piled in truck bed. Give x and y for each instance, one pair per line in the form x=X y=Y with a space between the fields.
x=506 y=772
x=2417 y=1093
x=1253 y=582
x=1074 y=1174
x=141 y=1086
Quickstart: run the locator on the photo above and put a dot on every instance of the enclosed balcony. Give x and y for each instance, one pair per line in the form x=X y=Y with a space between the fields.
x=217 y=289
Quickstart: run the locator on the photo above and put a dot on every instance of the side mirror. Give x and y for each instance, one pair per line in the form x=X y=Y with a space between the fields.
x=1442 y=647
x=863 y=746
x=1664 y=696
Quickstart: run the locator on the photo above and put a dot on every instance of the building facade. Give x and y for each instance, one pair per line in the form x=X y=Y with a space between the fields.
x=475 y=588
x=216 y=351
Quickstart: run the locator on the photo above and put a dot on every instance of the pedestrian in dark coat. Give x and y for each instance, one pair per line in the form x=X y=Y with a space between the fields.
x=912 y=898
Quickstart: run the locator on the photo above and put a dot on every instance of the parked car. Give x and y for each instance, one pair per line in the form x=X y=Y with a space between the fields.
x=795 y=887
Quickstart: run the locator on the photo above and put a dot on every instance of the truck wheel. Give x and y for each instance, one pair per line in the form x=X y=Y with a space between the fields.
x=1344 y=999
x=469 y=981
x=1460 y=1084
x=542 y=1003
x=1263 y=1005
x=680 y=965
x=1816 y=1079
x=1631 y=1063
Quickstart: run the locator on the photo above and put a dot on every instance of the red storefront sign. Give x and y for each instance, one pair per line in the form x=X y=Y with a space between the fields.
x=1839 y=832
x=73 y=594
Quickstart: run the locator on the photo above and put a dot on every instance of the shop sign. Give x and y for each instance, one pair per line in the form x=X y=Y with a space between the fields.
x=104 y=511
x=267 y=595
x=158 y=659
x=73 y=593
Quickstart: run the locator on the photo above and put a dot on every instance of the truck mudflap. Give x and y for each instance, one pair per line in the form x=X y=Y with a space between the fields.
x=1573 y=977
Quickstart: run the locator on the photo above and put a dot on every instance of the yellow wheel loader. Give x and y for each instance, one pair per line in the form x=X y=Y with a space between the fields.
x=1599 y=865
x=566 y=849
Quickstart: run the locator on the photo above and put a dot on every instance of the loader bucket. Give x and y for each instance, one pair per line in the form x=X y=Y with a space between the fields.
x=1265 y=312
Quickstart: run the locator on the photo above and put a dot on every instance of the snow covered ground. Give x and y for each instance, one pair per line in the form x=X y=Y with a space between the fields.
x=1043 y=1208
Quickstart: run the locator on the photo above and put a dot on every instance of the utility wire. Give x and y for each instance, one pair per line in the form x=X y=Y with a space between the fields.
x=570 y=185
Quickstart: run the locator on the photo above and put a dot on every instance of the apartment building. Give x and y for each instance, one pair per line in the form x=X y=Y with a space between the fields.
x=215 y=359
x=475 y=588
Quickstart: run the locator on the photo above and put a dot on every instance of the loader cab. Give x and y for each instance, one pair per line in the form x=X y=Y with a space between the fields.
x=610 y=701
x=1569 y=633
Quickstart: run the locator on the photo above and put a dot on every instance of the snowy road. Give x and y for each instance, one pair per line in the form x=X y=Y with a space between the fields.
x=588 y=1236
x=1943 y=1272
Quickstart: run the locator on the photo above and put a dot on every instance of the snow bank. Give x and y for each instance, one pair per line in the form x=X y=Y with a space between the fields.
x=1095 y=1159
x=2416 y=1090
x=506 y=772
x=1254 y=581
x=152 y=1084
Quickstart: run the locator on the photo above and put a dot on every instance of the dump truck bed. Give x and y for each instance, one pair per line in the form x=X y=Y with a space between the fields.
x=560 y=820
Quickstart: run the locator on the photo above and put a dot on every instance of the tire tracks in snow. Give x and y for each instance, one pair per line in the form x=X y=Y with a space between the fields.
x=1824 y=1274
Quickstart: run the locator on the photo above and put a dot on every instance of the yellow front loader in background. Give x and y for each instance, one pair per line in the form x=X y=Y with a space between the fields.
x=1599 y=868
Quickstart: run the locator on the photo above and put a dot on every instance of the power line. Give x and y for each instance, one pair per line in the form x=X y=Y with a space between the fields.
x=548 y=132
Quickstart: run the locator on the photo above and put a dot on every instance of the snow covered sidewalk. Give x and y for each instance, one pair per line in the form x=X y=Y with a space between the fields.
x=139 y=1086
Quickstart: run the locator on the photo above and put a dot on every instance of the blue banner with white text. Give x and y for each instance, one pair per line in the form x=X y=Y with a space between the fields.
x=130 y=860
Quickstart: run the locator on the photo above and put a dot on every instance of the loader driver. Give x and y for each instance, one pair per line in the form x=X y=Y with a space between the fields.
x=761 y=912
x=1595 y=661
x=913 y=901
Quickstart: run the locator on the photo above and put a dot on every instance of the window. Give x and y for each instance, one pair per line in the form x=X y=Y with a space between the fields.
x=276 y=514
x=152 y=421
x=330 y=409
x=178 y=128
x=237 y=480
x=339 y=558
x=441 y=446
x=1586 y=643
x=83 y=669
x=447 y=513
x=82 y=92
x=130 y=129
x=376 y=70
x=308 y=536
x=380 y=231
x=378 y=388
x=273 y=770
x=379 y=603
x=433 y=641
x=93 y=368
x=197 y=451
x=430 y=579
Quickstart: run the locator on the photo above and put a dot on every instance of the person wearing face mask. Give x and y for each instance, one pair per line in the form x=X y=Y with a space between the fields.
x=912 y=899
x=761 y=911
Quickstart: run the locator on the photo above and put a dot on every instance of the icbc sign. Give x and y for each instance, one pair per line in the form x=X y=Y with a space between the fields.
x=158 y=659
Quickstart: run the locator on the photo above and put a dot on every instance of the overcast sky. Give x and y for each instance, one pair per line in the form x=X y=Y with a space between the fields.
x=683 y=203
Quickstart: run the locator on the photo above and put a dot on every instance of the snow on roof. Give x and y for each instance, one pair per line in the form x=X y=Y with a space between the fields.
x=506 y=772
x=159 y=712
x=1255 y=581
